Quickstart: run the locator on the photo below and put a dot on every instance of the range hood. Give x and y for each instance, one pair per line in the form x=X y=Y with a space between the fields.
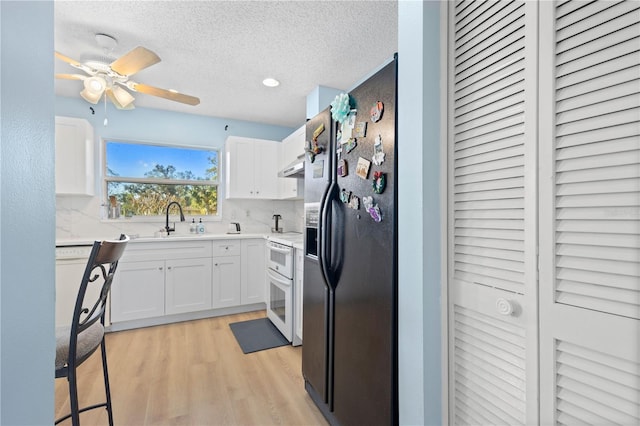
x=294 y=169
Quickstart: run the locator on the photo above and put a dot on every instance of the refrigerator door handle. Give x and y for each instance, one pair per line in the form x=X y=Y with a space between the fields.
x=324 y=249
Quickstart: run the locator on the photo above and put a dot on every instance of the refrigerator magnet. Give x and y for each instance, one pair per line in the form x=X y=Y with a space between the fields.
x=312 y=149
x=318 y=131
x=351 y=119
x=362 y=168
x=379 y=182
x=372 y=209
x=346 y=130
x=350 y=145
x=354 y=202
x=345 y=196
x=342 y=168
x=376 y=111
x=378 y=152
x=318 y=169
x=360 y=129
x=340 y=107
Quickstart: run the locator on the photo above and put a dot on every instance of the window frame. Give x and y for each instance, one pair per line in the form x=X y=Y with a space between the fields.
x=159 y=218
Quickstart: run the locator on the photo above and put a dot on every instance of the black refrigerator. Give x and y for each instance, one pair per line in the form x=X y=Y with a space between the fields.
x=349 y=351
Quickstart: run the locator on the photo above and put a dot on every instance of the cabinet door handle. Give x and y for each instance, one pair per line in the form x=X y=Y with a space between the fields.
x=169 y=267
x=160 y=268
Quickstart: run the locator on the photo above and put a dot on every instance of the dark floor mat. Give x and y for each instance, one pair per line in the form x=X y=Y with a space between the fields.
x=257 y=335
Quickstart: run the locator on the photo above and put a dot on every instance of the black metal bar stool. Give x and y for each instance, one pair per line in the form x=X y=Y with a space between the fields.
x=75 y=344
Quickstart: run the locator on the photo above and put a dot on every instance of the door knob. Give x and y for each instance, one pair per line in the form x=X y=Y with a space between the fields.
x=507 y=307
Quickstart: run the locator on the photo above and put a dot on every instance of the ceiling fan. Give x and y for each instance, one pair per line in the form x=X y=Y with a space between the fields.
x=112 y=79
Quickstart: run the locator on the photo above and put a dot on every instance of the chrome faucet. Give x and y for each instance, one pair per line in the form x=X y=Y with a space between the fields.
x=167 y=227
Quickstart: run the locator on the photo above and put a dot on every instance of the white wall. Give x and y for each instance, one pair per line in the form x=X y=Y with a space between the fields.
x=82 y=217
x=27 y=208
x=419 y=220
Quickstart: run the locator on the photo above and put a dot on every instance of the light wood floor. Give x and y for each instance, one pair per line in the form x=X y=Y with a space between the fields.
x=193 y=373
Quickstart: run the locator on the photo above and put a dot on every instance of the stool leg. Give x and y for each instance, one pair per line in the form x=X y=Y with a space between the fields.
x=73 y=397
x=107 y=389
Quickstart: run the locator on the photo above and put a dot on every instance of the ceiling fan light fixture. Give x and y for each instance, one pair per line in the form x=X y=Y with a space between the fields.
x=270 y=82
x=90 y=96
x=123 y=97
x=95 y=85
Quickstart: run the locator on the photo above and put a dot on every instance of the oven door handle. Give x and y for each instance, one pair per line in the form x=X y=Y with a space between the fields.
x=278 y=278
x=279 y=250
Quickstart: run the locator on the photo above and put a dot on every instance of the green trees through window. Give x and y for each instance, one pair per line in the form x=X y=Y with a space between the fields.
x=144 y=178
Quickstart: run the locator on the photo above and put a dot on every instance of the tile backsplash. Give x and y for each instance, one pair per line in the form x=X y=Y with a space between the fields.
x=84 y=218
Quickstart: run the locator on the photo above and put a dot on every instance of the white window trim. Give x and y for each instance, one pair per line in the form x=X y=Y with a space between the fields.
x=104 y=179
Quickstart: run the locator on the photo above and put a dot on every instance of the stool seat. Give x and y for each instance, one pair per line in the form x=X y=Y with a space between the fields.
x=88 y=342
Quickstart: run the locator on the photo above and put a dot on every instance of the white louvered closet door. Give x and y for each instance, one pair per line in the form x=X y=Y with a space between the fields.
x=492 y=209
x=590 y=213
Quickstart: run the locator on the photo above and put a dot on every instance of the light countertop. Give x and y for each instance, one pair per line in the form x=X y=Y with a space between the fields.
x=291 y=237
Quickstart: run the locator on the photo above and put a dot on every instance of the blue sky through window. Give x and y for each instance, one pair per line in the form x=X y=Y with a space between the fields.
x=134 y=160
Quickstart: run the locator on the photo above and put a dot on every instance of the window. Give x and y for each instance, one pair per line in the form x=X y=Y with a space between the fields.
x=144 y=178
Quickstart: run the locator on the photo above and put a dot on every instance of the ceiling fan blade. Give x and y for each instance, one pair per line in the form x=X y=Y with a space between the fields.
x=68 y=60
x=74 y=63
x=134 y=61
x=167 y=94
x=71 y=76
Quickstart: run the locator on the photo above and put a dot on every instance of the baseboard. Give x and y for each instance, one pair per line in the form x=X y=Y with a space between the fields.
x=190 y=316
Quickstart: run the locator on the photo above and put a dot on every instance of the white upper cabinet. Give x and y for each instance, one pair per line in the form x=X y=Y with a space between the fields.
x=292 y=148
x=251 y=168
x=74 y=157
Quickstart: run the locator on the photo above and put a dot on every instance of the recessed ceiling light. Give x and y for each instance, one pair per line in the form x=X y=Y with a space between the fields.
x=270 y=82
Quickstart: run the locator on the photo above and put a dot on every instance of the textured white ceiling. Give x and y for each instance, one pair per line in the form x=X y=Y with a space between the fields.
x=221 y=51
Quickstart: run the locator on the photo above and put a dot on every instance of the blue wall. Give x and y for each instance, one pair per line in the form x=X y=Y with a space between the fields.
x=419 y=221
x=27 y=214
x=151 y=125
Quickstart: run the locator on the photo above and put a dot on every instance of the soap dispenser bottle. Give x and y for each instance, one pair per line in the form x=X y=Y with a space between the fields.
x=193 y=226
x=200 y=227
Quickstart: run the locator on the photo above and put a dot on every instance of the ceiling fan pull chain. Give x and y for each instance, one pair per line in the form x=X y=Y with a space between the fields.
x=106 y=121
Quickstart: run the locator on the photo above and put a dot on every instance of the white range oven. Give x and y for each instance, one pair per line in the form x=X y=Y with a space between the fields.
x=280 y=286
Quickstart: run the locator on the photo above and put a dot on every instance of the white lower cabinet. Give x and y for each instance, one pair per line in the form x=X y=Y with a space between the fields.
x=160 y=287
x=226 y=281
x=226 y=273
x=188 y=285
x=138 y=291
x=159 y=279
x=252 y=280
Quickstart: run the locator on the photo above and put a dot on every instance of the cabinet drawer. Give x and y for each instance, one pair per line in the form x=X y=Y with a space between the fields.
x=166 y=249
x=226 y=248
